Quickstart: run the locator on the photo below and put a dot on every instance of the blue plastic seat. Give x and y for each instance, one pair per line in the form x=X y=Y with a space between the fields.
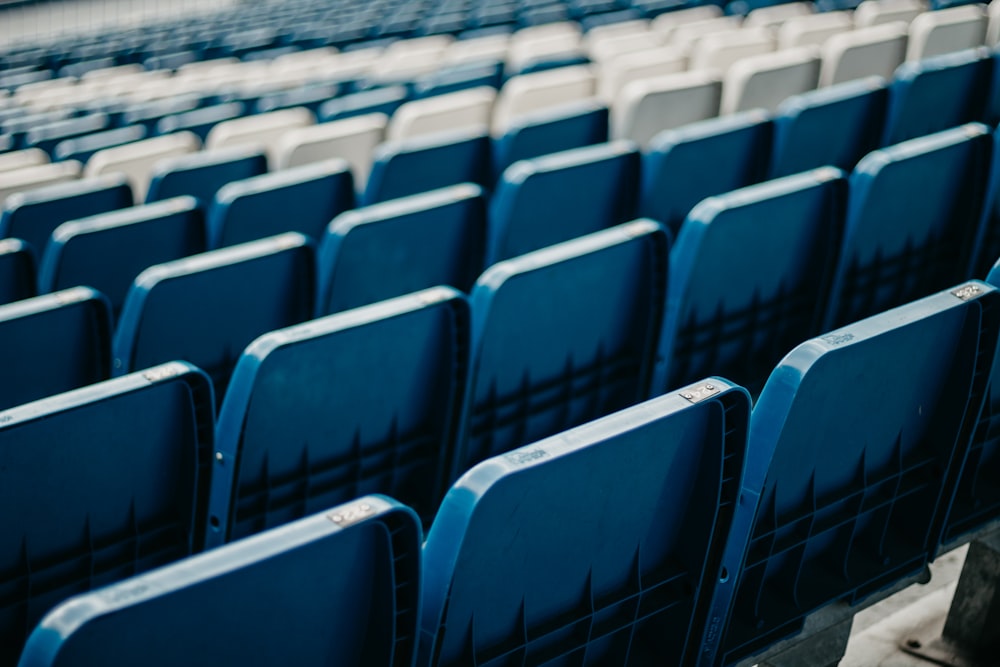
x=379 y=100
x=912 y=218
x=593 y=547
x=834 y=126
x=429 y=162
x=35 y=214
x=47 y=136
x=81 y=148
x=53 y=343
x=986 y=249
x=207 y=308
x=202 y=174
x=200 y=121
x=855 y=445
x=749 y=274
x=109 y=250
x=366 y=401
x=561 y=336
x=401 y=246
x=338 y=588
x=560 y=129
x=688 y=164
x=301 y=199
x=17 y=271
x=107 y=482
x=558 y=197
x=937 y=93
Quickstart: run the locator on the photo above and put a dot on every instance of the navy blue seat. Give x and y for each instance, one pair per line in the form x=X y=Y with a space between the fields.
x=560 y=129
x=274 y=598
x=749 y=273
x=34 y=215
x=412 y=166
x=937 y=93
x=17 y=271
x=561 y=336
x=834 y=126
x=109 y=250
x=912 y=217
x=107 y=482
x=987 y=246
x=205 y=309
x=688 y=164
x=380 y=100
x=81 y=148
x=855 y=445
x=301 y=199
x=533 y=558
x=53 y=343
x=401 y=246
x=200 y=121
x=555 y=198
x=365 y=401
x=202 y=174
x=47 y=136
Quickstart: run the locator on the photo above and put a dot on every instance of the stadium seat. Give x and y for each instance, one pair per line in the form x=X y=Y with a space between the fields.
x=390 y=249
x=684 y=36
x=107 y=251
x=845 y=499
x=879 y=12
x=719 y=51
x=82 y=148
x=200 y=121
x=46 y=136
x=202 y=174
x=300 y=199
x=562 y=336
x=647 y=107
x=812 y=29
x=137 y=160
x=54 y=343
x=429 y=162
x=558 y=197
x=379 y=100
x=310 y=96
x=263 y=131
x=687 y=164
x=946 y=31
x=22 y=159
x=352 y=139
x=748 y=276
x=618 y=73
x=149 y=113
x=899 y=247
x=864 y=52
x=456 y=78
x=773 y=16
x=205 y=309
x=17 y=271
x=834 y=126
x=30 y=178
x=567 y=126
x=365 y=401
x=936 y=94
x=667 y=22
x=108 y=482
x=765 y=81
x=270 y=599
x=541 y=90
x=34 y=215
x=583 y=581
x=465 y=109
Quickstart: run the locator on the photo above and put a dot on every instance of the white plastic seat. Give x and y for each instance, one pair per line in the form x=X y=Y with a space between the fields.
x=774 y=15
x=685 y=35
x=879 y=12
x=522 y=53
x=668 y=22
x=263 y=130
x=545 y=31
x=491 y=47
x=353 y=139
x=614 y=30
x=31 y=178
x=648 y=106
x=993 y=28
x=813 y=29
x=721 y=50
x=541 y=90
x=763 y=82
x=452 y=111
x=408 y=58
x=29 y=157
x=611 y=47
x=621 y=71
x=946 y=31
x=863 y=52
x=138 y=159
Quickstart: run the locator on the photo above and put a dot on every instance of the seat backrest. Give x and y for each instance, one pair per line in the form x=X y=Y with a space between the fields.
x=264 y=131
x=559 y=197
x=853 y=498
x=946 y=31
x=109 y=250
x=17 y=271
x=353 y=139
x=688 y=164
x=54 y=343
x=616 y=74
x=200 y=121
x=46 y=136
x=722 y=50
x=540 y=90
x=765 y=81
x=864 y=52
x=561 y=336
x=386 y=250
x=551 y=131
x=460 y=110
x=501 y=586
x=835 y=126
x=380 y=100
x=82 y=148
x=647 y=107
x=32 y=178
x=813 y=29
x=898 y=247
x=34 y=215
x=207 y=308
x=300 y=199
x=770 y=251
x=202 y=174
x=137 y=160
x=28 y=157
x=108 y=481
x=879 y=12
